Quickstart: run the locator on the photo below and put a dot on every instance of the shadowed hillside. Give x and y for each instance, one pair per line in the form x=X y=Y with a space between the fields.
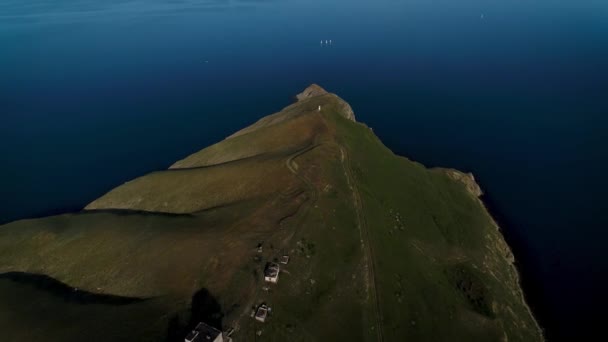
x=380 y=247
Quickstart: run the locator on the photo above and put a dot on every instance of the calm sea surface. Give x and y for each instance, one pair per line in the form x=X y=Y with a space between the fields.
x=94 y=93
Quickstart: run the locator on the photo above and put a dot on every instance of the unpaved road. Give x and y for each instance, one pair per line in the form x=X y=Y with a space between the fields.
x=368 y=253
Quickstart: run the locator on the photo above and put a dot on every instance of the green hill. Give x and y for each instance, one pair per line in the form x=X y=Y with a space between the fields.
x=381 y=248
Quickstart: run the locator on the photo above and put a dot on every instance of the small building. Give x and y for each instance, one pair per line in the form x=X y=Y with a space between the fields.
x=271 y=272
x=261 y=313
x=205 y=333
x=284 y=259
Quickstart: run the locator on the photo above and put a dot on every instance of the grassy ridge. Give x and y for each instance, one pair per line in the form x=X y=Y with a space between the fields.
x=263 y=140
x=380 y=246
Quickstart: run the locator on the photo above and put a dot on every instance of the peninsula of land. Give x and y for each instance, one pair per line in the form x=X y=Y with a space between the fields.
x=302 y=226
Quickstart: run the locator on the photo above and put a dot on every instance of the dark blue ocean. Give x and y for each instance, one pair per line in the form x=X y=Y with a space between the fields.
x=94 y=93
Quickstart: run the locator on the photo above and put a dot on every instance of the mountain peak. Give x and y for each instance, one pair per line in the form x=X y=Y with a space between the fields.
x=311 y=91
x=315 y=90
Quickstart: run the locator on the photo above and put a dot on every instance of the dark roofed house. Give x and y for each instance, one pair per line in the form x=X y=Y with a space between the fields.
x=271 y=272
x=205 y=333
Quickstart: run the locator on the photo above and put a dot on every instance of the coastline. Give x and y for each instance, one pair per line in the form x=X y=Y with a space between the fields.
x=494 y=245
x=468 y=179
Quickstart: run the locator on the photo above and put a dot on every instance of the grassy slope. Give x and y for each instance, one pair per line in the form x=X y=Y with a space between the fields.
x=321 y=293
x=442 y=267
x=267 y=139
x=440 y=270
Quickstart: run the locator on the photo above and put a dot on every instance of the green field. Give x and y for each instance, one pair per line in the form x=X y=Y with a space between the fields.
x=381 y=248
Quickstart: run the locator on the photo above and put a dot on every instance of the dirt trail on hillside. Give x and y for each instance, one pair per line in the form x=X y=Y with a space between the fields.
x=366 y=245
